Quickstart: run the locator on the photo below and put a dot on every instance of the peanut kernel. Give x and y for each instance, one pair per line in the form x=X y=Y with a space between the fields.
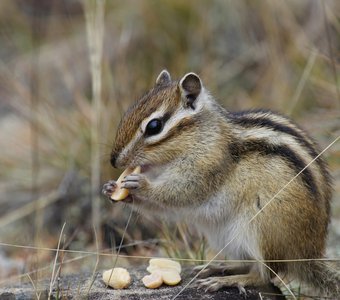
x=153 y=281
x=117 y=278
x=121 y=193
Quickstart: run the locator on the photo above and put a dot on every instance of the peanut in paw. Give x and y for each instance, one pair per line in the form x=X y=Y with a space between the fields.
x=117 y=278
x=121 y=193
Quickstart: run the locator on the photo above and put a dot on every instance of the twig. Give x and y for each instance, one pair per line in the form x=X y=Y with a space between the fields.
x=331 y=55
x=34 y=286
x=333 y=259
x=94 y=14
x=281 y=280
x=303 y=79
x=40 y=203
x=55 y=263
x=120 y=245
x=29 y=208
x=93 y=277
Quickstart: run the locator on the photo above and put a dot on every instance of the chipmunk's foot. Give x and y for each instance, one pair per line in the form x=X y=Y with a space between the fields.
x=204 y=271
x=213 y=284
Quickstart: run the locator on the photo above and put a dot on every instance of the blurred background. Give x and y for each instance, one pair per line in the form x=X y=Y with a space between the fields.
x=68 y=71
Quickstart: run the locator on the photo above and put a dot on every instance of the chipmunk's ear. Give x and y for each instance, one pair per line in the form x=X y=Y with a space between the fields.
x=163 y=78
x=190 y=86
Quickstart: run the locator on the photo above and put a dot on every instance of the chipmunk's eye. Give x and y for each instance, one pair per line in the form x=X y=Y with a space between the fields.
x=155 y=126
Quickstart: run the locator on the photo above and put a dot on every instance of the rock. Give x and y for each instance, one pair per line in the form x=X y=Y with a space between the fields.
x=78 y=286
x=7 y=296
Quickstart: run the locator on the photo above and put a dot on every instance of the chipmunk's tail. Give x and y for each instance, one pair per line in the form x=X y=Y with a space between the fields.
x=321 y=276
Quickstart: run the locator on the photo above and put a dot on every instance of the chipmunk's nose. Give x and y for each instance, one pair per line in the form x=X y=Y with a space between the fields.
x=119 y=159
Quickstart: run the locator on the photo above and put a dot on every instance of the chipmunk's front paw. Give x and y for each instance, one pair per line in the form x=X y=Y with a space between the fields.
x=135 y=183
x=109 y=188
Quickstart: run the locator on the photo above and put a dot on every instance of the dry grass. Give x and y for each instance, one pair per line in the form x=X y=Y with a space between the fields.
x=59 y=110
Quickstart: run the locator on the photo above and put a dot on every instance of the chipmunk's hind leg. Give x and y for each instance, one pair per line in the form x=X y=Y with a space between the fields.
x=221 y=269
x=213 y=284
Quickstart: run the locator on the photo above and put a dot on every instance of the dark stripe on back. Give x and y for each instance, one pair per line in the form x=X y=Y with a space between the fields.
x=243 y=119
x=260 y=146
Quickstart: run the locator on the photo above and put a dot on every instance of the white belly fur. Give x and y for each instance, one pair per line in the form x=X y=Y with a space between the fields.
x=235 y=239
x=217 y=221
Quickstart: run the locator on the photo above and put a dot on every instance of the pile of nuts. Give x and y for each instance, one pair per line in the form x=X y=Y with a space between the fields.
x=161 y=271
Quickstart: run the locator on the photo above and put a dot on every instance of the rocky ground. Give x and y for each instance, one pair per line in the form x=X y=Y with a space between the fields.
x=79 y=286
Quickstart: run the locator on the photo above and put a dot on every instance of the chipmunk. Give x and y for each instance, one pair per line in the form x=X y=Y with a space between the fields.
x=216 y=169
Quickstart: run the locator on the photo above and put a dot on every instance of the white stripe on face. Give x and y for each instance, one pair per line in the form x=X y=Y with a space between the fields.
x=181 y=112
x=125 y=151
x=178 y=115
x=139 y=133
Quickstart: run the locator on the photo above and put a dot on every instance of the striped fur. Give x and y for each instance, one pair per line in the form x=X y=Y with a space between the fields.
x=166 y=96
x=269 y=133
x=276 y=122
x=163 y=102
x=217 y=169
x=239 y=150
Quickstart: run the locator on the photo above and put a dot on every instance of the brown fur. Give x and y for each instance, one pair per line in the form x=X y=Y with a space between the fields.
x=142 y=108
x=208 y=158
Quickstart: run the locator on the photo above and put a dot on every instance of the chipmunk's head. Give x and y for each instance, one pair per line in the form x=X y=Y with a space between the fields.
x=161 y=125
